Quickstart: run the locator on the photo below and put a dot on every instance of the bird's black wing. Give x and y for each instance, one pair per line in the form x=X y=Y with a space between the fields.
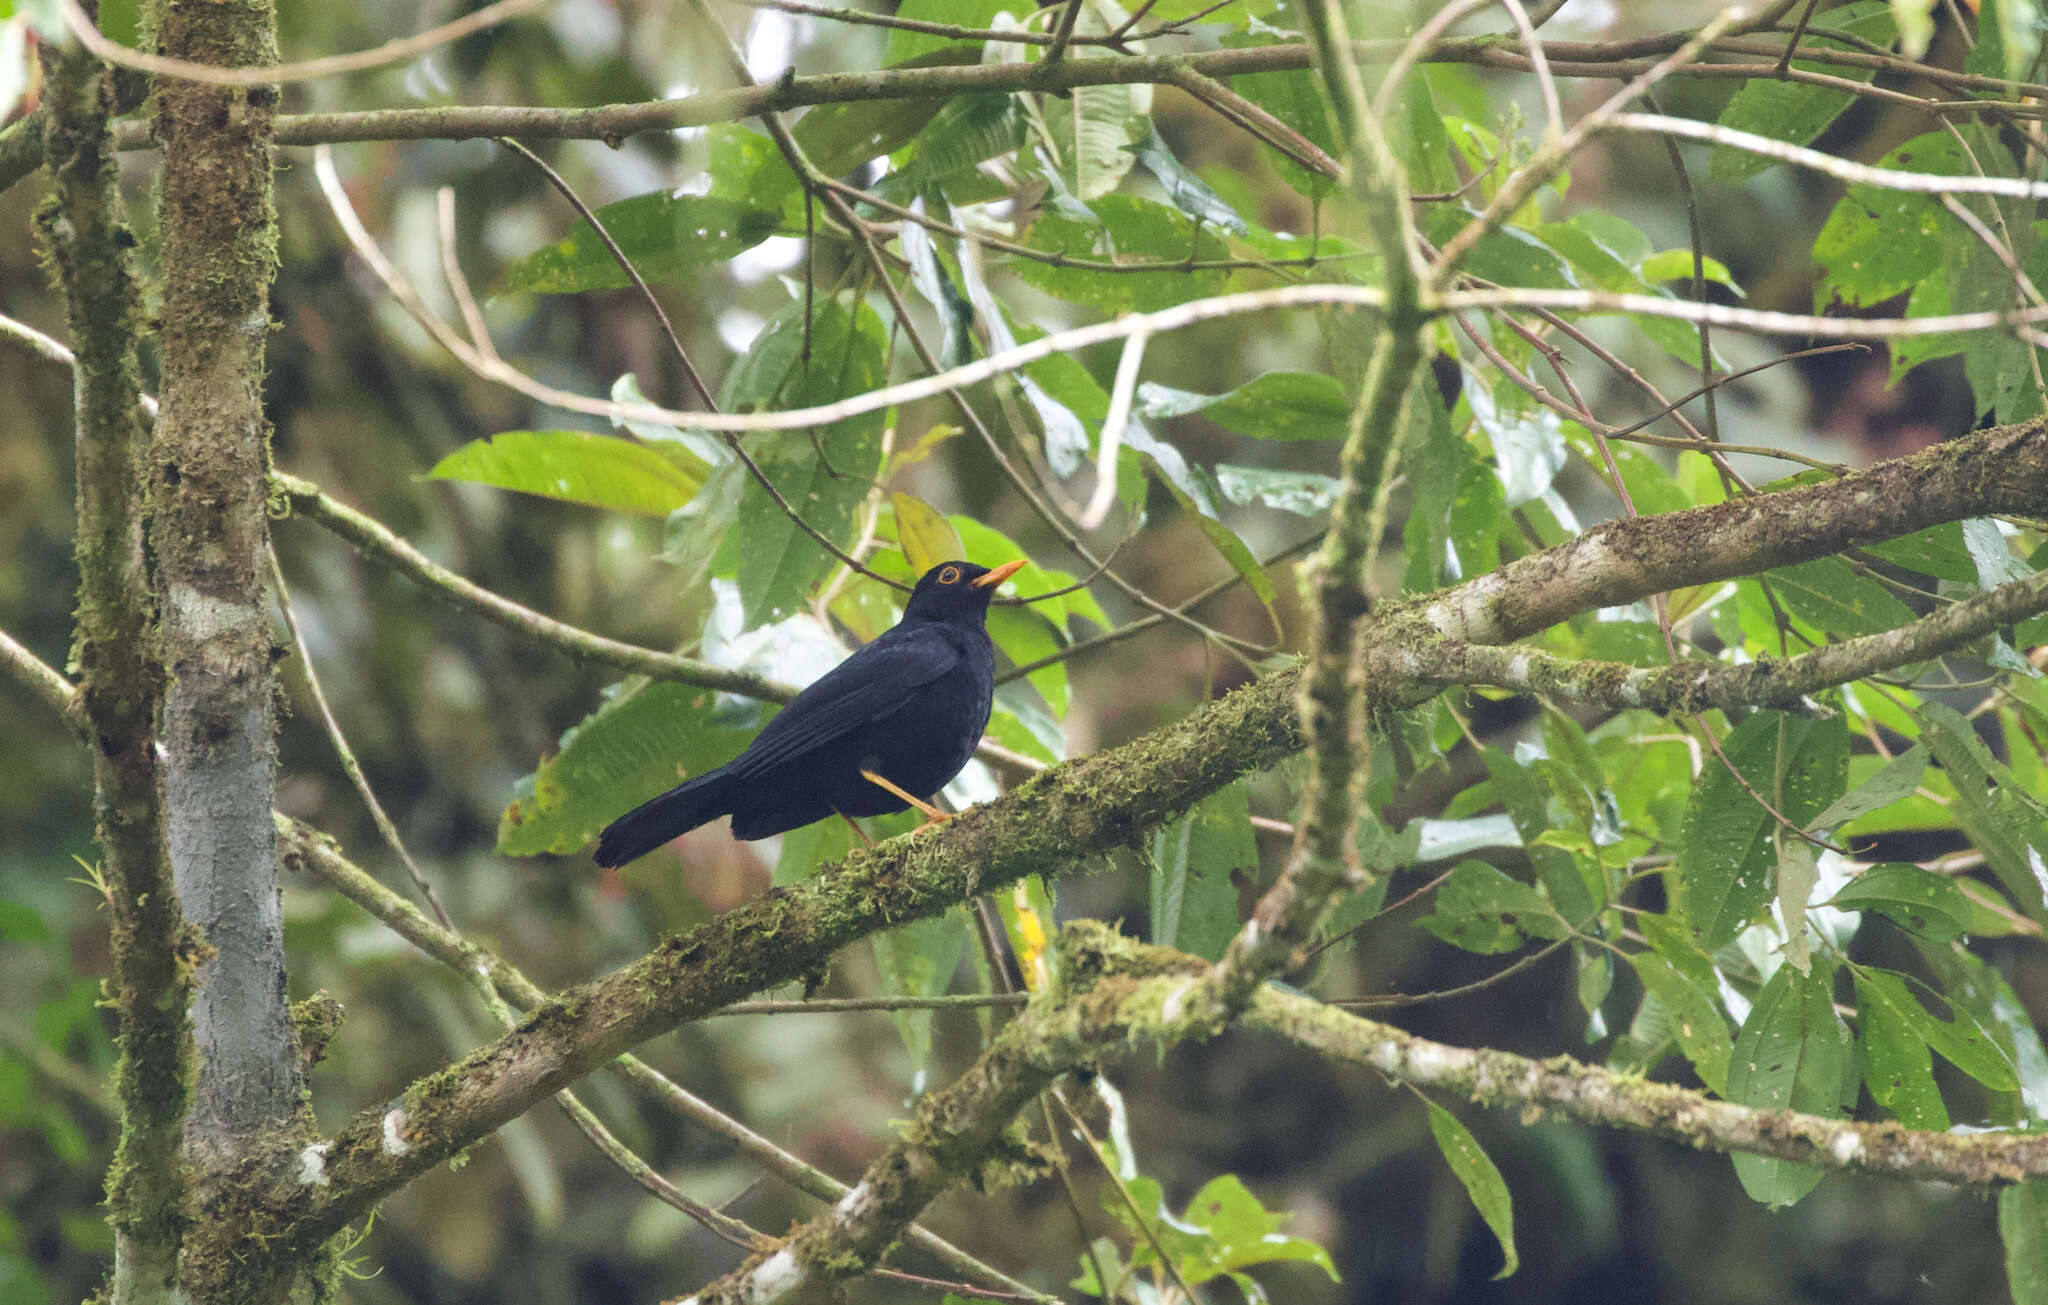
x=877 y=680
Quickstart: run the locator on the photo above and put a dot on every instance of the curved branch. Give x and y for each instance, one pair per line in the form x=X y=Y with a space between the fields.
x=1057 y=821
x=1119 y=992
x=1696 y=686
x=379 y=542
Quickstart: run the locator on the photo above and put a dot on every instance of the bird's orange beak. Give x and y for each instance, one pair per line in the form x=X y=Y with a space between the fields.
x=1001 y=573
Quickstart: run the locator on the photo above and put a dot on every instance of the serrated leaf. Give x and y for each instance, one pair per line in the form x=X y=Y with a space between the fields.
x=1274 y=406
x=1926 y=903
x=1481 y=1178
x=1791 y=1054
x=666 y=236
x=1194 y=861
x=580 y=467
x=1725 y=848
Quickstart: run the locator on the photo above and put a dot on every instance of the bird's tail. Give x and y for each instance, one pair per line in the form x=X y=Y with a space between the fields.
x=656 y=821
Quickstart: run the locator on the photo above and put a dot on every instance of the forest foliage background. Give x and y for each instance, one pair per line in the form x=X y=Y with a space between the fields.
x=498 y=758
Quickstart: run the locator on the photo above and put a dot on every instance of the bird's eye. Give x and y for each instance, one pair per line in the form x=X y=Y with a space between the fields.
x=950 y=576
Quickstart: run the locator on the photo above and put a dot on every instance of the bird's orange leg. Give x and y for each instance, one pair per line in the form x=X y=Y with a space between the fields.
x=932 y=815
x=858 y=832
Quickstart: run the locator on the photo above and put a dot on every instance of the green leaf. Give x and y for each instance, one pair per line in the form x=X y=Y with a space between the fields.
x=967 y=132
x=1990 y=556
x=1194 y=863
x=20 y=922
x=1677 y=265
x=823 y=475
x=2009 y=826
x=1938 y=551
x=1294 y=97
x=580 y=467
x=1828 y=594
x=1899 y=777
x=1275 y=406
x=1798 y=872
x=1132 y=231
x=1921 y=901
x=1725 y=850
x=2023 y=1227
x=667 y=237
x=1529 y=447
x=807 y=847
x=1482 y=910
x=1797 y=112
x=1896 y=1064
x=1962 y=1043
x=1225 y=540
x=1025 y=636
x=1091 y=128
x=905 y=44
x=1511 y=255
x=917 y=960
x=1791 y=1054
x=639 y=744
x=1304 y=493
x=1879 y=243
x=1696 y=1020
x=1187 y=191
x=1224 y=1229
x=929 y=275
x=1482 y=1180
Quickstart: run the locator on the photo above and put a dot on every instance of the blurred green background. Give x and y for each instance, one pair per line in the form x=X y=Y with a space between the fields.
x=448 y=711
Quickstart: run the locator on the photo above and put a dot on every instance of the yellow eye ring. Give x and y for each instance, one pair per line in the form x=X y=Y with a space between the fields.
x=951 y=575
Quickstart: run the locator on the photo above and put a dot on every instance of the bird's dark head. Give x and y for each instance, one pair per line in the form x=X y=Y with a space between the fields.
x=953 y=589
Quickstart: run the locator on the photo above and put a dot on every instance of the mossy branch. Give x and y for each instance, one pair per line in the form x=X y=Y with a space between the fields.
x=88 y=248
x=1056 y=822
x=21 y=146
x=308 y=850
x=1116 y=994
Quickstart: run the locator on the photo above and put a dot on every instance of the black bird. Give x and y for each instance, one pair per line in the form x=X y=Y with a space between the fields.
x=884 y=730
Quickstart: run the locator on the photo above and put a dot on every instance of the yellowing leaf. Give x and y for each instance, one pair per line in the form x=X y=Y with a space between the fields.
x=927 y=537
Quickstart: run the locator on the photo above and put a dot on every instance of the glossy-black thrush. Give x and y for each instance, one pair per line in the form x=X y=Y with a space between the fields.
x=884 y=730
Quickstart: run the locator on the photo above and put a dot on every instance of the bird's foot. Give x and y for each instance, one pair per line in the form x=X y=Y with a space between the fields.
x=932 y=815
x=854 y=825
